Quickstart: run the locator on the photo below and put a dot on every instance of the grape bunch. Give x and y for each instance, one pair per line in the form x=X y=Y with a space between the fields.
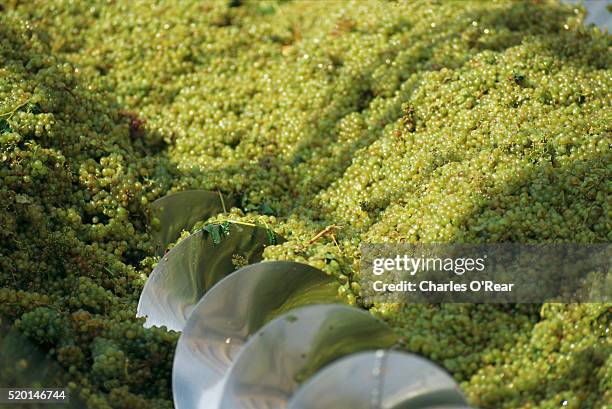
x=333 y=124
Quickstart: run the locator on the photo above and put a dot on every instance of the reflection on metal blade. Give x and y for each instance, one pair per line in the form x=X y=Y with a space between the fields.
x=229 y=313
x=380 y=380
x=191 y=268
x=597 y=12
x=180 y=211
x=292 y=347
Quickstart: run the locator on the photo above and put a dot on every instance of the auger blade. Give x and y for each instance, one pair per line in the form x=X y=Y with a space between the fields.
x=380 y=380
x=180 y=211
x=292 y=347
x=191 y=268
x=229 y=313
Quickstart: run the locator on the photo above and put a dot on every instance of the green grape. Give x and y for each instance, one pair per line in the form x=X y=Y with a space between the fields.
x=336 y=124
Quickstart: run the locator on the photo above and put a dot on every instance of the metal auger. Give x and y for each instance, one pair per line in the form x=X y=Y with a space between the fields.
x=273 y=334
x=180 y=211
x=196 y=263
x=233 y=310
x=293 y=347
x=192 y=267
x=379 y=379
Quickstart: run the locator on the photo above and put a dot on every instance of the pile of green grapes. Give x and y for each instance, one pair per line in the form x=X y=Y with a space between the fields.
x=365 y=121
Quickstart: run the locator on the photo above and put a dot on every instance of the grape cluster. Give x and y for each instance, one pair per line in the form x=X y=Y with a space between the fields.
x=42 y=324
x=109 y=364
x=334 y=124
x=74 y=183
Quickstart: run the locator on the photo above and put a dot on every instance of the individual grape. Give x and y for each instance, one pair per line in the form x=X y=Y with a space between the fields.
x=421 y=122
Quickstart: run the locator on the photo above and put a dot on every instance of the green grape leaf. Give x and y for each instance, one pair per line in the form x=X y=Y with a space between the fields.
x=225 y=228
x=271 y=236
x=4 y=126
x=215 y=231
